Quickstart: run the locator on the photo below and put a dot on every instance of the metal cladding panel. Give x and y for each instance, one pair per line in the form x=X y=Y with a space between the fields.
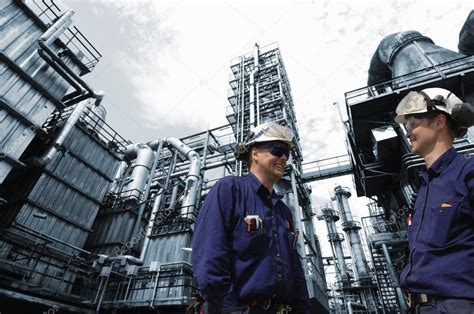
x=4 y=249
x=79 y=176
x=86 y=166
x=64 y=201
x=17 y=93
x=19 y=33
x=168 y=248
x=111 y=232
x=66 y=198
x=44 y=222
x=16 y=26
x=91 y=152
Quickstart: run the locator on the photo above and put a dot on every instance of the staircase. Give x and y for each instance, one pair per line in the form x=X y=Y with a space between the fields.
x=388 y=295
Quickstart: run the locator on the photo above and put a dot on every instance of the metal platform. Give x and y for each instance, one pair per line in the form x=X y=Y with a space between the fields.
x=326 y=168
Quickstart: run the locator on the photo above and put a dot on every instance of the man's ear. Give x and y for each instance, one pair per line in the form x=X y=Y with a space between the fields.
x=253 y=154
x=441 y=122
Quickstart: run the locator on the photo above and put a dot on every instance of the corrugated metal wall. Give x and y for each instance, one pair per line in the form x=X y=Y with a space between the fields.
x=112 y=232
x=64 y=202
x=70 y=190
x=169 y=248
x=29 y=88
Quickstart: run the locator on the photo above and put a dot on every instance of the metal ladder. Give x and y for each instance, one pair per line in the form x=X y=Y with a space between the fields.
x=387 y=291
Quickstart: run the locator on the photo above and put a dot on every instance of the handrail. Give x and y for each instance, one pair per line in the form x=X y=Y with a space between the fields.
x=407 y=81
x=72 y=38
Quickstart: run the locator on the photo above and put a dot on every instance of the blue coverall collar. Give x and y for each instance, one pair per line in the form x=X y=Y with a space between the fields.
x=260 y=189
x=442 y=162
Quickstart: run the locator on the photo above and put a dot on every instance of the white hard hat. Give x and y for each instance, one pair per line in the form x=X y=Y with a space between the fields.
x=270 y=131
x=437 y=99
x=422 y=101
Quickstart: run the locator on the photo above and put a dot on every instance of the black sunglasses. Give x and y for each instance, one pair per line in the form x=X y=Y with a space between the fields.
x=276 y=150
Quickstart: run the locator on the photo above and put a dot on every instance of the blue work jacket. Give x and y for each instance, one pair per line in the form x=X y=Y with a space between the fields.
x=441 y=235
x=233 y=265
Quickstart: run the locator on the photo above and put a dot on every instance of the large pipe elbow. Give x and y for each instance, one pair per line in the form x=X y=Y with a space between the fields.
x=131 y=151
x=191 y=155
x=384 y=56
x=466 y=36
x=141 y=170
x=178 y=145
x=99 y=96
x=57 y=28
x=195 y=167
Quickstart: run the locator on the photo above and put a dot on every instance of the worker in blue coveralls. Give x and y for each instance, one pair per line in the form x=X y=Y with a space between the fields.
x=244 y=256
x=439 y=274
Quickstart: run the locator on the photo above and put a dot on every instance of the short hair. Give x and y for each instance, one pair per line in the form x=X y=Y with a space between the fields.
x=249 y=156
x=452 y=127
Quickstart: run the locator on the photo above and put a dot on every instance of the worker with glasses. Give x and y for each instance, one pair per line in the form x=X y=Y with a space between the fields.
x=244 y=245
x=439 y=273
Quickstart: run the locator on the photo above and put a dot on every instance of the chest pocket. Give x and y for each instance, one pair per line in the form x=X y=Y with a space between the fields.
x=252 y=243
x=444 y=208
x=292 y=240
x=441 y=221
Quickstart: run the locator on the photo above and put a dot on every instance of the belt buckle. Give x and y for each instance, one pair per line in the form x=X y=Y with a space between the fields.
x=417 y=298
x=423 y=298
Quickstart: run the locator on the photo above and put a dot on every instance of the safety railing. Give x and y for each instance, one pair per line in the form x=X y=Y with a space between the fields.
x=41 y=265
x=379 y=224
x=326 y=167
x=93 y=123
x=123 y=200
x=167 y=284
x=48 y=11
x=410 y=80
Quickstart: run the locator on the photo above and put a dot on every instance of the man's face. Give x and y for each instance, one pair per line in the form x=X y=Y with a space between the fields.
x=270 y=158
x=422 y=134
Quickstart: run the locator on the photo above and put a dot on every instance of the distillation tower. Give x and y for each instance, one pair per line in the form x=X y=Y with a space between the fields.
x=260 y=92
x=351 y=227
x=354 y=290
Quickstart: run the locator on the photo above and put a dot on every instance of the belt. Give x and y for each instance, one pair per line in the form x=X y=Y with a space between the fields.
x=266 y=303
x=415 y=298
x=421 y=298
x=262 y=303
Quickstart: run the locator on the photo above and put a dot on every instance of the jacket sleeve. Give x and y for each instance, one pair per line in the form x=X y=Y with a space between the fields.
x=469 y=179
x=211 y=246
x=300 y=302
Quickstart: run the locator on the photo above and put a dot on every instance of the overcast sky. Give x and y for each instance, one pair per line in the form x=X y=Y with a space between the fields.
x=165 y=65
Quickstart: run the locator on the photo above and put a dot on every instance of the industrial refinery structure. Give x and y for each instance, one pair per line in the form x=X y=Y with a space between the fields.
x=94 y=223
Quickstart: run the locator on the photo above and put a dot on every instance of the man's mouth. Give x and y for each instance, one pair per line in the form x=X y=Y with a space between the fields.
x=281 y=167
